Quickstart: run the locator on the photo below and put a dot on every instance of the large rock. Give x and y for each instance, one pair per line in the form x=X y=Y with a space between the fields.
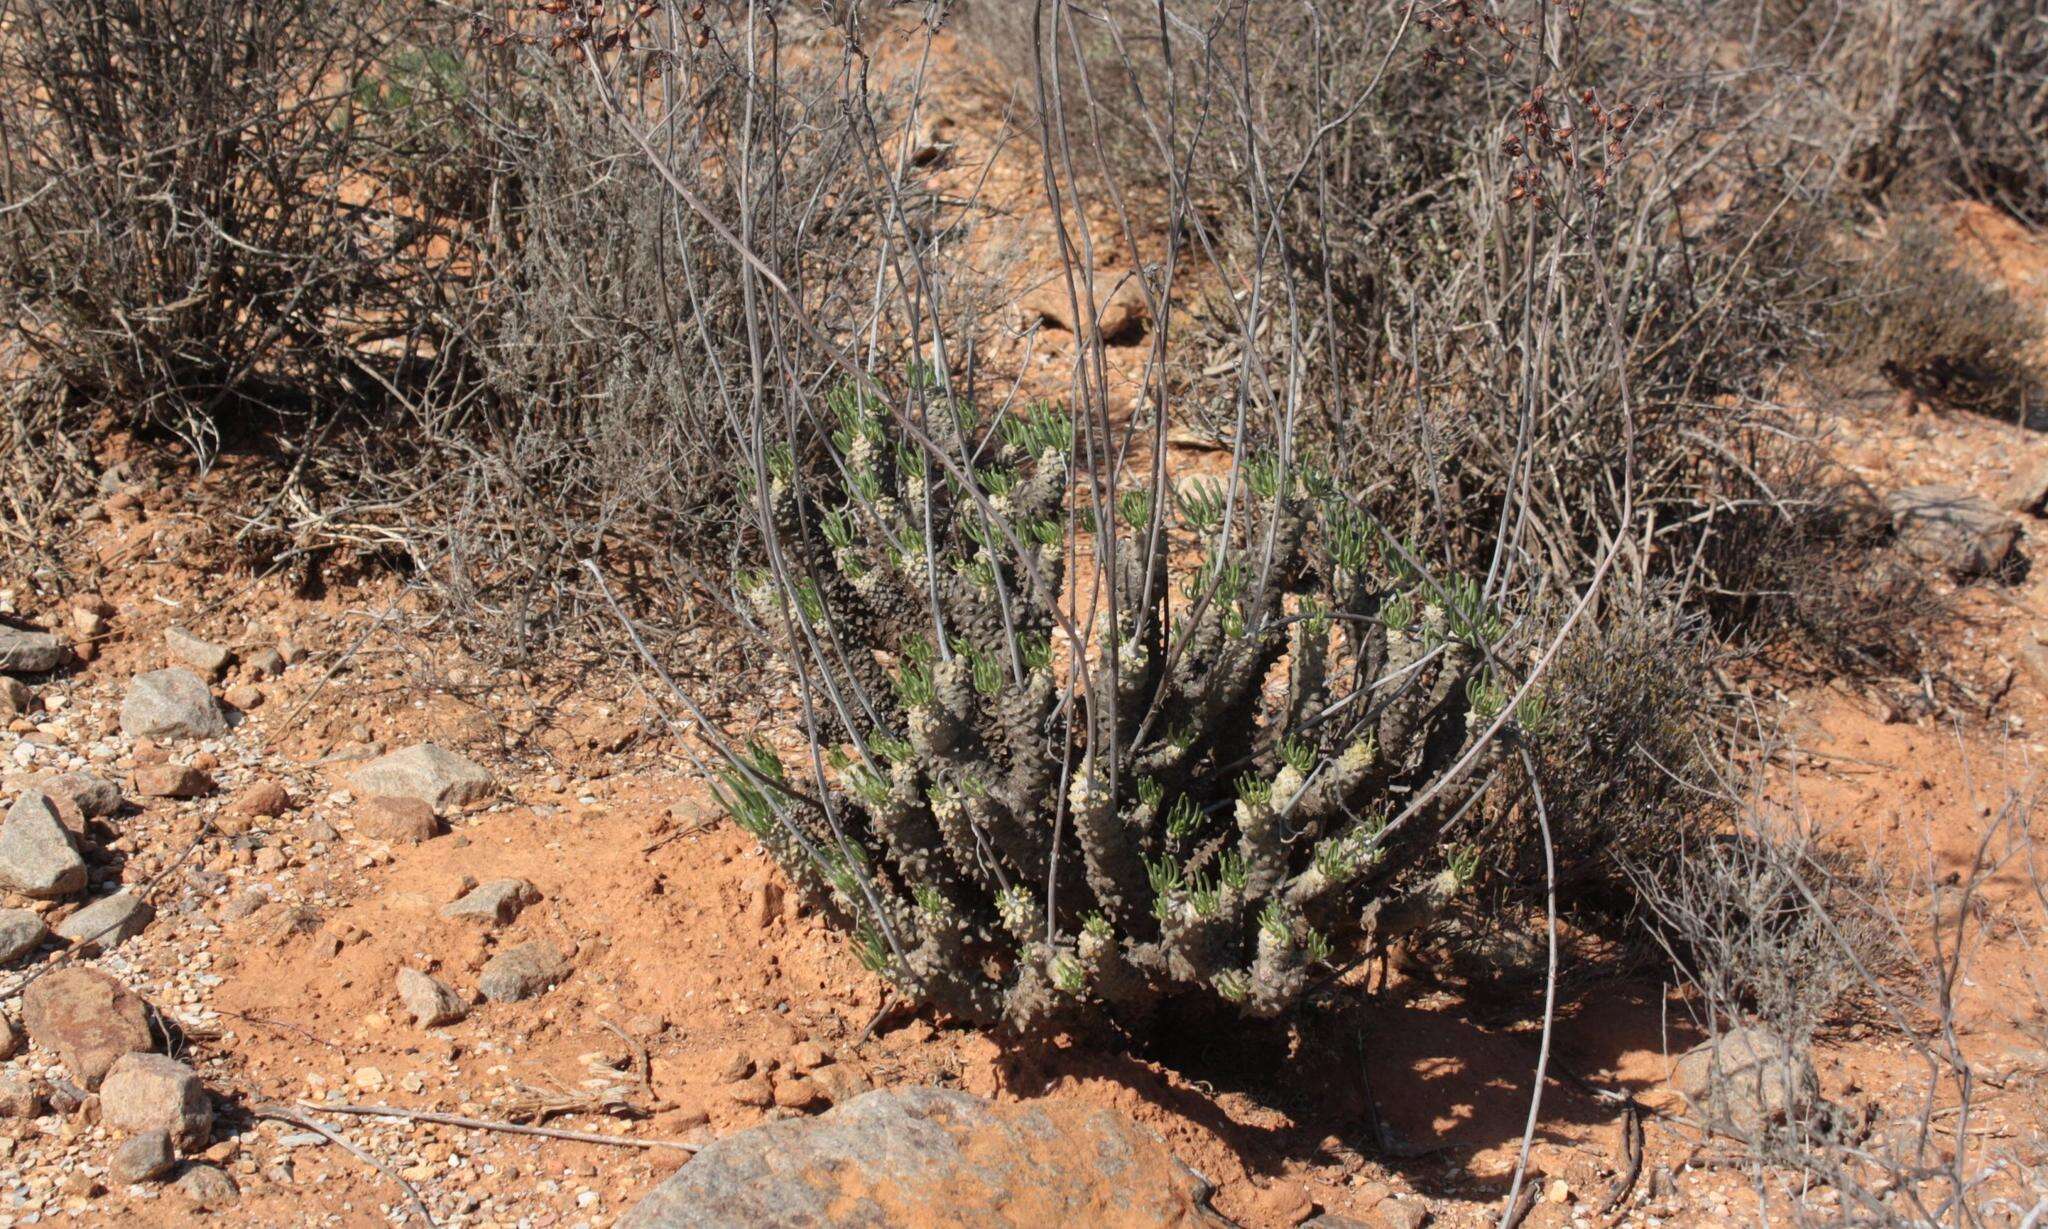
x=494 y=902
x=437 y=777
x=108 y=922
x=1952 y=528
x=87 y=1019
x=1745 y=1080
x=28 y=651
x=149 y=1092
x=170 y=704
x=21 y=932
x=521 y=972
x=429 y=999
x=37 y=857
x=928 y=1156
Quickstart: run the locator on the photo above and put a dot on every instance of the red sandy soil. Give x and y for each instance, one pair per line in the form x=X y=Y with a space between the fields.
x=682 y=942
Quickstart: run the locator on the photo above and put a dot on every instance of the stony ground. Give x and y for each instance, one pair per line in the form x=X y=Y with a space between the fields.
x=272 y=861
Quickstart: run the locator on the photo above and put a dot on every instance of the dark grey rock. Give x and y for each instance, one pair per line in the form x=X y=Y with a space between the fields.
x=108 y=922
x=37 y=857
x=1954 y=529
x=436 y=776
x=207 y=1186
x=208 y=658
x=522 y=972
x=29 y=651
x=1745 y=1080
x=494 y=903
x=21 y=932
x=430 y=1000
x=933 y=1156
x=171 y=704
x=146 y=1157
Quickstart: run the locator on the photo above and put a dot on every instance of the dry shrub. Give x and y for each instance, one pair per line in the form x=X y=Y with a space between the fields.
x=1935 y=329
x=184 y=236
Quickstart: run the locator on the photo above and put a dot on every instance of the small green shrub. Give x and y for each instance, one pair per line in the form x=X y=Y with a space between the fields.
x=1038 y=816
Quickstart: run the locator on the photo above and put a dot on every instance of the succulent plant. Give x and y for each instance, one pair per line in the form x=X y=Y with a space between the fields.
x=1081 y=750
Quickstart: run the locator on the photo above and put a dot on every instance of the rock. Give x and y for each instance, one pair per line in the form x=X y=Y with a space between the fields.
x=150 y=1092
x=1950 y=527
x=933 y=1156
x=1330 y=1220
x=87 y=1019
x=263 y=800
x=28 y=650
x=1745 y=1080
x=96 y=796
x=19 y=1097
x=398 y=821
x=753 y=1091
x=170 y=704
x=798 y=1092
x=21 y=933
x=36 y=855
x=16 y=700
x=172 y=781
x=208 y=658
x=108 y=922
x=437 y=777
x=265 y=663
x=1402 y=1213
x=207 y=1186
x=143 y=1158
x=840 y=1083
x=522 y=972
x=243 y=696
x=430 y=1000
x=495 y=903
x=1120 y=309
x=2028 y=489
x=10 y=1039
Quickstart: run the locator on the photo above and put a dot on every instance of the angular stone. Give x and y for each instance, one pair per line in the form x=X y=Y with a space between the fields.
x=916 y=1156
x=149 y=1092
x=87 y=1019
x=437 y=777
x=1745 y=1080
x=108 y=922
x=19 y=1097
x=2027 y=490
x=37 y=857
x=399 y=821
x=172 y=781
x=208 y=658
x=522 y=972
x=146 y=1157
x=10 y=1039
x=166 y=704
x=1952 y=528
x=1120 y=309
x=27 y=650
x=265 y=663
x=16 y=700
x=494 y=903
x=430 y=1000
x=264 y=800
x=96 y=796
x=207 y=1186
x=21 y=933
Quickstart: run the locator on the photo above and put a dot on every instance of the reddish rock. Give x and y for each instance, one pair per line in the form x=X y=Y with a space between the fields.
x=172 y=781
x=400 y=821
x=87 y=1019
x=264 y=800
